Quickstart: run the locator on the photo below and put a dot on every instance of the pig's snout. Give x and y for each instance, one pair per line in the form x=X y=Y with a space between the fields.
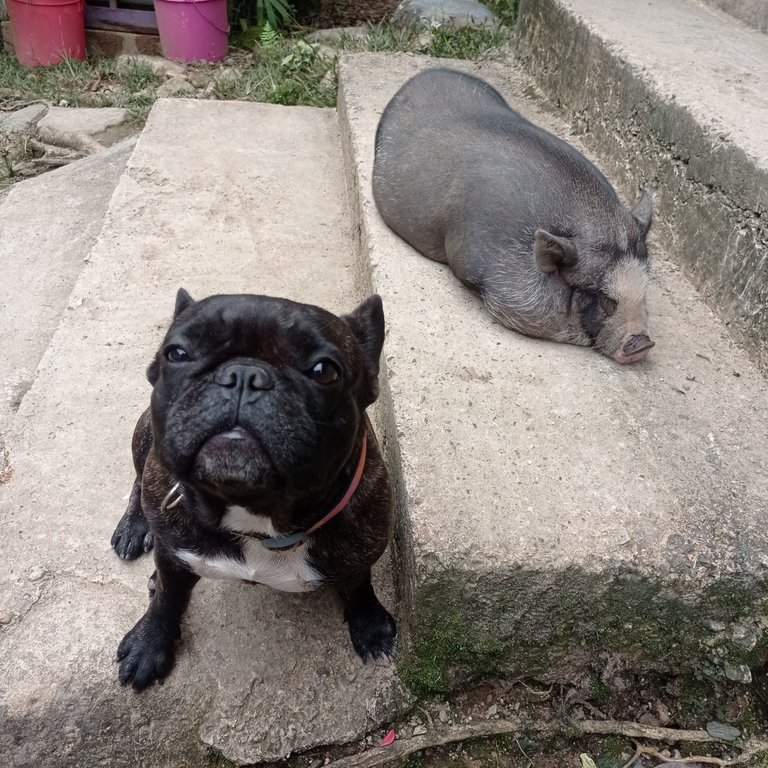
x=634 y=350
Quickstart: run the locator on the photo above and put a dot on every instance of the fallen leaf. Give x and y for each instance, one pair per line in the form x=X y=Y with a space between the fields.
x=587 y=761
x=388 y=739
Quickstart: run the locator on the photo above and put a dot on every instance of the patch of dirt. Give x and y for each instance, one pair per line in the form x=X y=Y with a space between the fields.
x=551 y=727
x=349 y=13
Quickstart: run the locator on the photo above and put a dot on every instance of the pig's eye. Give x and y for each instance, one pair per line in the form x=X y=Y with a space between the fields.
x=324 y=372
x=607 y=304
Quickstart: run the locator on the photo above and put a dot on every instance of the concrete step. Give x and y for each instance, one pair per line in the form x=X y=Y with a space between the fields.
x=557 y=509
x=49 y=225
x=672 y=93
x=217 y=197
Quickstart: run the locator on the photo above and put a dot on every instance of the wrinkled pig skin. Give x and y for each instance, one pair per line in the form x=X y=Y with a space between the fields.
x=520 y=216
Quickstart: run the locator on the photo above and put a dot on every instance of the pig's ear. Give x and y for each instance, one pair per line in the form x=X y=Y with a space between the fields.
x=553 y=253
x=183 y=300
x=367 y=323
x=643 y=212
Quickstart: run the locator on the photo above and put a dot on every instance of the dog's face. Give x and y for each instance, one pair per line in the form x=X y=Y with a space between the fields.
x=262 y=397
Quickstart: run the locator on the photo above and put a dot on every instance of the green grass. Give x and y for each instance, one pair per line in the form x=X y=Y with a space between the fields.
x=95 y=83
x=440 y=42
x=280 y=70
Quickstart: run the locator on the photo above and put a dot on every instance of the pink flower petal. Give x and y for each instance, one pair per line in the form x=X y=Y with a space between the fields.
x=388 y=739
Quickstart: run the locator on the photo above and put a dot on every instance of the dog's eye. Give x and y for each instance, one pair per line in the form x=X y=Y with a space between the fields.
x=177 y=354
x=324 y=372
x=607 y=304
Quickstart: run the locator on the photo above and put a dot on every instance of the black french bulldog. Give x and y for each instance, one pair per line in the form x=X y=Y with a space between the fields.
x=256 y=461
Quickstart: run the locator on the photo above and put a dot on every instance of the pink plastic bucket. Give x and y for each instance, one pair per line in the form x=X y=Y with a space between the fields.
x=193 y=30
x=45 y=31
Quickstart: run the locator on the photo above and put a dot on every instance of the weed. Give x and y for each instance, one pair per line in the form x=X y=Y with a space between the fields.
x=385 y=37
x=506 y=10
x=286 y=72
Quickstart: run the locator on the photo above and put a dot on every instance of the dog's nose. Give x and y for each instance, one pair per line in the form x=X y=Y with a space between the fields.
x=237 y=376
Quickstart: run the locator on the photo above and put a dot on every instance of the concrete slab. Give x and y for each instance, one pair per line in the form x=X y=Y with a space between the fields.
x=49 y=226
x=220 y=197
x=672 y=94
x=752 y=12
x=557 y=508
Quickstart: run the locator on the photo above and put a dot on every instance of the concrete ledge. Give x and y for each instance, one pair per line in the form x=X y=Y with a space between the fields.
x=672 y=94
x=556 y=509
x=49 y=226
x=752 y=12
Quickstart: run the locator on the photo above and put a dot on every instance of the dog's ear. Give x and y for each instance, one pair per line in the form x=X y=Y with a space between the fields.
x=183 y=300
x=367 y=323
x=153 y=370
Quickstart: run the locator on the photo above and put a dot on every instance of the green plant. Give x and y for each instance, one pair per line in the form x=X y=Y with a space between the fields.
x=506 y=10
x=94 y=83
x=268 y=35
x=441 y=41
x=278 y=13
x=302 y=56
x=275 y=12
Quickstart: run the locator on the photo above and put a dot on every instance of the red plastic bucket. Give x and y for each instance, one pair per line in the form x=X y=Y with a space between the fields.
x=45 y=31
x=193 y=30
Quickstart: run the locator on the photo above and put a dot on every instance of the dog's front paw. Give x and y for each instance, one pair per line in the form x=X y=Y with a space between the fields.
x=132 y=536
x=146 y=654
x=373 y=633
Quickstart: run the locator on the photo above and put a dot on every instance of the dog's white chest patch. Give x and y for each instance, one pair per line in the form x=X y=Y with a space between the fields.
x=286 y=571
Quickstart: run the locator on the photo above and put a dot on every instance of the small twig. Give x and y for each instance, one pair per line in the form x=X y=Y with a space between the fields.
x=82 y=142
x=536 y=695
x=639 y=731
x=426 y=714
x=51 y=162
x=49 y=150
x=594 y=711
x=744 y=757
x=437 y=738
x=631 y=761
x=530 y=762
x=443 y=735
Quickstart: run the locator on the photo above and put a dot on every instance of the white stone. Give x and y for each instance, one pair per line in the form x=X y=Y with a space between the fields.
x=89 y=120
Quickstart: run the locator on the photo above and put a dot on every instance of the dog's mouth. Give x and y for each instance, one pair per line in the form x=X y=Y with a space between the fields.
x=238 y=433
x=235 y=457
